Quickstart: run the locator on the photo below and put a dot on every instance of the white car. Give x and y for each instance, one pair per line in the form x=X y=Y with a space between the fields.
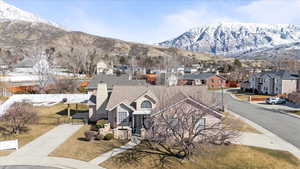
x=275 y=100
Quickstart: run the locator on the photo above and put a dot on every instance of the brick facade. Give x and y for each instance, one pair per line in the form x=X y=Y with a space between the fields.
x=215 y=82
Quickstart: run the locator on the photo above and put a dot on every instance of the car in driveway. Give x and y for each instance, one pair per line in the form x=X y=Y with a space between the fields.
x=275 y=100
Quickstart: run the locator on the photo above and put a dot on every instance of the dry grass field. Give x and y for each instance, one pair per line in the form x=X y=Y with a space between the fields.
x=77 y=148
x=219 y=157
x=50 y=117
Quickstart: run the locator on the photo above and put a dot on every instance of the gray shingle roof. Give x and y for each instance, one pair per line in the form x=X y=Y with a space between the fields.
x=201 y=76
x=25 y=63
x=163 y=96
x=127 y=94
x=283 y=74
x=112 y=80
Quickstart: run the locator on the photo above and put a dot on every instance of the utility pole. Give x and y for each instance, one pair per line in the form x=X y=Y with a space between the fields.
x=222 y=87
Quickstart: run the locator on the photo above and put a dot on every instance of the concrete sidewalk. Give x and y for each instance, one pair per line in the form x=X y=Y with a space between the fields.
x=45 y=144
x=62 y=163
x=266 y=140
x=103 y=157
x=258 y=140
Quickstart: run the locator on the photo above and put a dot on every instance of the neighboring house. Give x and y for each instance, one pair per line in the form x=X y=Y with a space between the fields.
x=167 y=79
x=112 y=80
x=245 y=86
x=129 y=106
x=25 y=66
x=3 y=66
x=211 y=80
x=274 y=82
x=101 y=67
x=190 y=70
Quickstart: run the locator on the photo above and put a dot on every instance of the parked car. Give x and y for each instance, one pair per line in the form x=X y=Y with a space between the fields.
x=275 y=100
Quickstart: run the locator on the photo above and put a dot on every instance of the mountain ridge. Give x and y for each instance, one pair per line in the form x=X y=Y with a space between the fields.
x=11 y=13
x=235 y=39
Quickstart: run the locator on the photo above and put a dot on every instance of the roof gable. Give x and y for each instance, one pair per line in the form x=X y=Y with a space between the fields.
x=193 y=103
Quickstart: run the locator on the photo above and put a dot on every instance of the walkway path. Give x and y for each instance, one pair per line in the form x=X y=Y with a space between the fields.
x=36 y=152
x=134 y=141
x=45 y=144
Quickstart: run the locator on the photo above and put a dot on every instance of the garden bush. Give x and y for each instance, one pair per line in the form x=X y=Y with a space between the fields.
x=108 y=136
x=101 y=123
x=90 y=135
x=99 y=137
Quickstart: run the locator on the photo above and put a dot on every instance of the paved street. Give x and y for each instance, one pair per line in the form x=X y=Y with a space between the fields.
x=286 y=127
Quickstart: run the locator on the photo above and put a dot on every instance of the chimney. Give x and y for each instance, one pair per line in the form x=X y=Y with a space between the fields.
x=102 y=95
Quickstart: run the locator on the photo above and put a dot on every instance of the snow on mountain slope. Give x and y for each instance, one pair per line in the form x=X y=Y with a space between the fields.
x=9 y=12
x=236 y=39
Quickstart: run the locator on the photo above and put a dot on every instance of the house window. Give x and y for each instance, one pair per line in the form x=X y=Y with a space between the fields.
x=200 y=125
x=122 y=117
x=146 y=104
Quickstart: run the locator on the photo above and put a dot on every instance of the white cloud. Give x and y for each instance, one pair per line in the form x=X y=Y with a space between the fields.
x=271 y=11
x=177 y=23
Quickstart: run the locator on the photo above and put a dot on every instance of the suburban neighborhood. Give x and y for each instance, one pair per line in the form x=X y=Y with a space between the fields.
x=219 y=96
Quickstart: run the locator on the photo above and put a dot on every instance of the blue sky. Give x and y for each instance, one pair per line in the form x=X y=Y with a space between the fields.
x=152 y=21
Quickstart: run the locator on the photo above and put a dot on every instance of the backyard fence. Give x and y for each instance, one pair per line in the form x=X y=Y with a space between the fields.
x=7 y=145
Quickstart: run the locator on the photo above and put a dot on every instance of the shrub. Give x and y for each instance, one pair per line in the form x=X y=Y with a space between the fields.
x=94 y=128
x=100 y=123
x=82 y=89
x=19 y=116
x=108 y=136
x=90 y=135
x=99 y=137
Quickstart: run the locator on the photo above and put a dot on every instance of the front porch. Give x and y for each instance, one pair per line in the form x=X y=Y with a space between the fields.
x=133 y=122
x=138 y=121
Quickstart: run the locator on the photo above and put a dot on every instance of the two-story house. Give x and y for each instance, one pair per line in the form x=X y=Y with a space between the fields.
x=274 y=82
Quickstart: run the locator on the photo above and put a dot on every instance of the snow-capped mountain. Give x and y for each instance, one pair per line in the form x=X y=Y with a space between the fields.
x=12 y=13
x=239 y=39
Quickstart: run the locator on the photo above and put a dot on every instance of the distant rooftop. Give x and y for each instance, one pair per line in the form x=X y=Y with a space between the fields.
x=112 y=80
x=283 y=74
x=201 y=76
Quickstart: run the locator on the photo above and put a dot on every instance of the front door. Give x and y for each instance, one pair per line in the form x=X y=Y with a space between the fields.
x=138 y=124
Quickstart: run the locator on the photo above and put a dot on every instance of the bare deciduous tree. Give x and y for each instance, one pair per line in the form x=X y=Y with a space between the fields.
x=181 y=129
x=65 y=86
x=81 y=61
x=43 y=66
x=18 y=116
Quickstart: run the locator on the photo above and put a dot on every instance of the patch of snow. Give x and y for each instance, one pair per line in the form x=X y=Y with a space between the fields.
x=235 y=38
x=12 y=13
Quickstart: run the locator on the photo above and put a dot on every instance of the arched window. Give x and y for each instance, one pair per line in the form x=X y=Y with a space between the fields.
x=146 y=104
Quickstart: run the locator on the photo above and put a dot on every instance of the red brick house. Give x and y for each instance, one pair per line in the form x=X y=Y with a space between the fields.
x=211 y=80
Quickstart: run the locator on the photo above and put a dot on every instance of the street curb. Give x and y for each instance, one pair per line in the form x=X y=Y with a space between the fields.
x=289 y=114
x=275 y=110
x=288 y=146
